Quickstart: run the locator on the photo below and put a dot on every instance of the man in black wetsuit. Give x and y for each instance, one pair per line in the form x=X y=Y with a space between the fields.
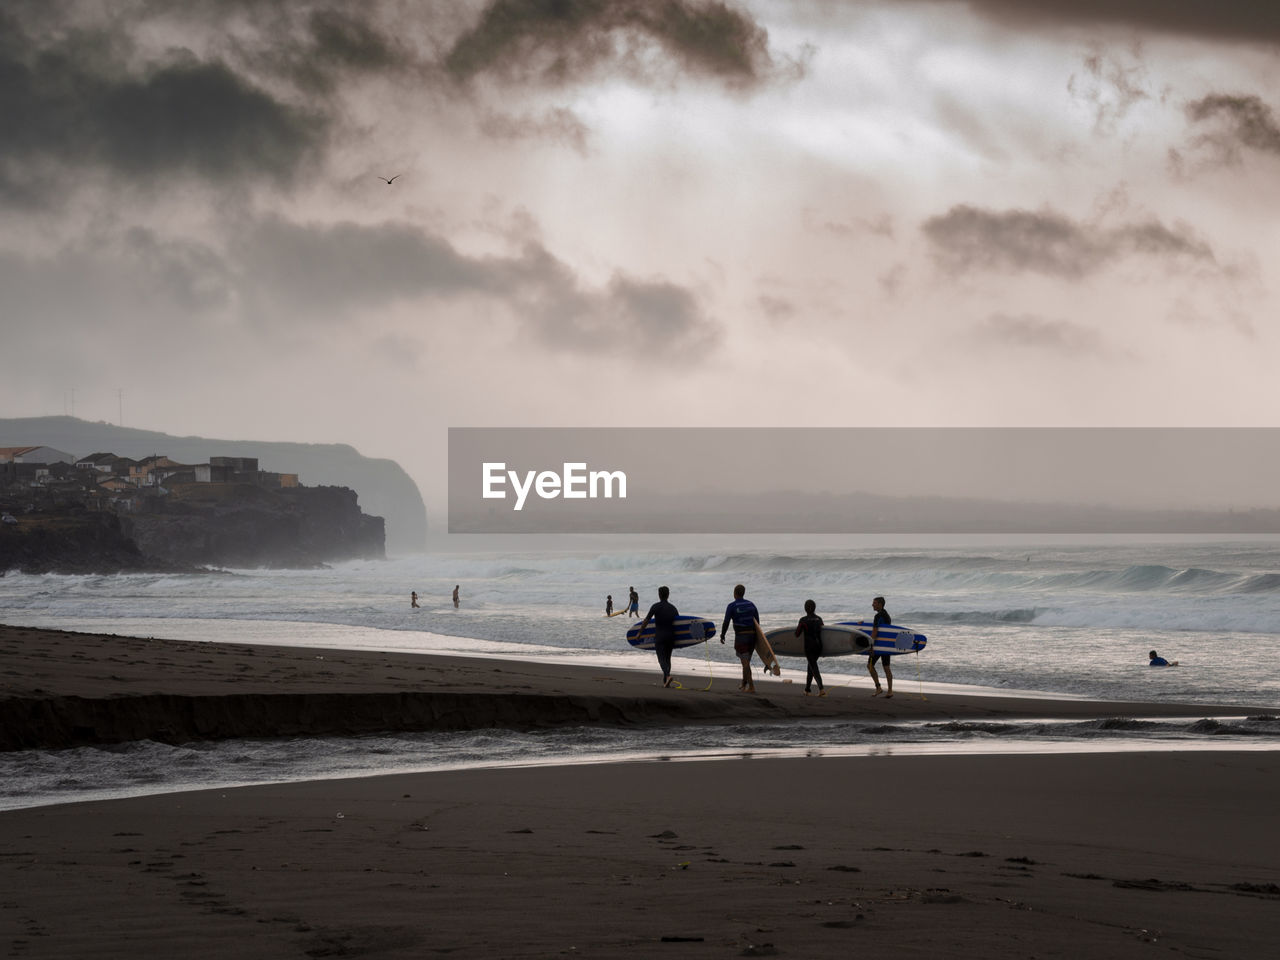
x=882 y=619
x=663 y=614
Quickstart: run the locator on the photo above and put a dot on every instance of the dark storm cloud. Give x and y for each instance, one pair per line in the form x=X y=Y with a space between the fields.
x=307 y=273
x=1049 y=243
x=1245 y=20
x=1238 y=122
x=71 y=99
x=321 y=270
x=557 y=41
x=1038 y=333
x=318 y=47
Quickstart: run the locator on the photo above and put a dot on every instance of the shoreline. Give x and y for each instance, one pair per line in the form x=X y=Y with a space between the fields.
x=60 y=688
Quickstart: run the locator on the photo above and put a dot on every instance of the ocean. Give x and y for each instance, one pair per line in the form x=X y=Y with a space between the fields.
x=1061 y=617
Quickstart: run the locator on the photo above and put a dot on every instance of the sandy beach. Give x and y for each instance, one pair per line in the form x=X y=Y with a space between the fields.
x=1098 y=855
x=60 y=689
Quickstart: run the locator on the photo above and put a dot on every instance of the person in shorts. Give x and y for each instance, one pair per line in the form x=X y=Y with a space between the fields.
x=744 y=616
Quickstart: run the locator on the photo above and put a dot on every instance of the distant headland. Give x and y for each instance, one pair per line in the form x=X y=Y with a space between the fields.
x=66 y=510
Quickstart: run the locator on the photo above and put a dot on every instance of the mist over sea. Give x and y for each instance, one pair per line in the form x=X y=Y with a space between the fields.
x=1061 y=618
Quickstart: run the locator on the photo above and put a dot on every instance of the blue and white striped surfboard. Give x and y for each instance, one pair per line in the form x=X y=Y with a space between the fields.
x=689 y=630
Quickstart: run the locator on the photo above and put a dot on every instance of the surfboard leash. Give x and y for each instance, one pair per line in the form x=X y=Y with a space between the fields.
x=919 y=682
x=707 y=645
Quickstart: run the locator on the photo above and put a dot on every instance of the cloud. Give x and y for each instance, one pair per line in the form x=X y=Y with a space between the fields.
x=560 y=41
x=1050 y=243
x=74 y=99
x=1030 y=332
x=1241 y=20
x=776 y=309
x=557 y=125
x=1243 y=122
x=321 y=273
x=1109 y=88
x=632 y=315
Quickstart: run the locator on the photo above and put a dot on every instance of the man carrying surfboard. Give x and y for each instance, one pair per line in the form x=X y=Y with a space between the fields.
x=663 y=614
x=744 y=616
x=882 y=619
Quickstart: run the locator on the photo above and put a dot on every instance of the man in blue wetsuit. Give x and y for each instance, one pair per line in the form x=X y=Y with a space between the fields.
x=663 y=614
x=882 y=619
x=744 y=616
x=1155 y=660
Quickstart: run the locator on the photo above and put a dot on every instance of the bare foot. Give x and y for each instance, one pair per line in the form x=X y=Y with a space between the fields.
x=878 y=692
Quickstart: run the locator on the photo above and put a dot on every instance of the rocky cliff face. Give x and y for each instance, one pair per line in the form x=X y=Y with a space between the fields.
x=201 y=525
x=250 y=527
x=70 y=542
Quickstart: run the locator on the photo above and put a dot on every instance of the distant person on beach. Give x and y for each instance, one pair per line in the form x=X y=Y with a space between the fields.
x=744 y=616
x=810 y=626
x=455 y=594
x=882 y=619
x=1158 y=661
x=633 y=602
x=413 y=598
x=608 y=605
x=663 y=614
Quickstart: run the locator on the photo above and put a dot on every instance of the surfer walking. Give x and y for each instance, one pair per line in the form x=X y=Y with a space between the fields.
x=881 y=619
x=663 y=614
x=608 y=605
x=810 y=626
x=744 y=616
x=413 y=598
x=633 y=602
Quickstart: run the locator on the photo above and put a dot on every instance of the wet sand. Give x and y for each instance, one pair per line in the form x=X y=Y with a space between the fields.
x=60 y=689
x=1099 y=855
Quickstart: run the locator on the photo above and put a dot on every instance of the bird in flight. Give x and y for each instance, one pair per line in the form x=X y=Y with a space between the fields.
x=388 y=182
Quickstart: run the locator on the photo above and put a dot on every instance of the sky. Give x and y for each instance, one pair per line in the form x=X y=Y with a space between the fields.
x=622 y=213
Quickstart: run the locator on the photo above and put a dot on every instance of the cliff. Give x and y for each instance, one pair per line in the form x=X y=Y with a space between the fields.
x=237 y=525
x=196 y=526
x=383 y=487
x=71 y=541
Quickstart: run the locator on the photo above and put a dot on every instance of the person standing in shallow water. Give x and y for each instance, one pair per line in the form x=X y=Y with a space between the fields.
x=663 y=614
x=455 y=594
x=810 y=626
x=633 y=602
x=413 y=598
x=882 y=619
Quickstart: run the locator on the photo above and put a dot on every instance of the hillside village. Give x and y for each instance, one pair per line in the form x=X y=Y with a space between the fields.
x=65 y=513
x=37 y=476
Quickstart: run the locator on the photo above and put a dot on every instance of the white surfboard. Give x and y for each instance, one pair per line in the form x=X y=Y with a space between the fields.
x=837 y=640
